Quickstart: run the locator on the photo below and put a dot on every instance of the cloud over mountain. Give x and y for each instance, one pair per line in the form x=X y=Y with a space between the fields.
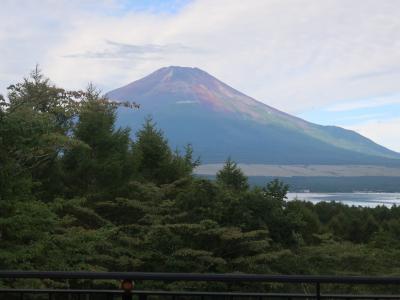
x=301 y=55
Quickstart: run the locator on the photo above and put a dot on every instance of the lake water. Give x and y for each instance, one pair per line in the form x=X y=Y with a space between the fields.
x=357 y=199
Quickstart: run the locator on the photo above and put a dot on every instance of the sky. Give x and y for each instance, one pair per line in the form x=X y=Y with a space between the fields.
x=332 y=62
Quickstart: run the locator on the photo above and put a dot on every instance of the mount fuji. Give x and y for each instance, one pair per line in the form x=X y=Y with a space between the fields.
x=192 y=106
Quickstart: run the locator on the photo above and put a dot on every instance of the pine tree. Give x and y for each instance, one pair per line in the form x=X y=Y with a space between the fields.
x=100 y=166
x=35 y=121
x=154 y=160
x=232 y=176
x=277 y=189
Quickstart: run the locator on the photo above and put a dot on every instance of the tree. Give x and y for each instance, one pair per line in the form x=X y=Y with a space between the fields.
x=128 y=205
x=100 y=167
x=151 y=153
x=277 y=189
x=232 y=176
x=26 y=230
x=154 y=160
x=35 y=121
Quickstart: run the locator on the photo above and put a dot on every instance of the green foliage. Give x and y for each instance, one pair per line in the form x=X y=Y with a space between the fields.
x=276 y=189
x=154 y=160
x=76 y=193
x=101 y=165
x=26 y=229
x=232 y=176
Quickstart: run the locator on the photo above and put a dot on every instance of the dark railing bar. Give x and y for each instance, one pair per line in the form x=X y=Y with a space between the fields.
x=199 y=294
x=272 y=295
x=200 y=277
x=360 y=296
x=318 y=291
x=60 y=291
x=156 y=293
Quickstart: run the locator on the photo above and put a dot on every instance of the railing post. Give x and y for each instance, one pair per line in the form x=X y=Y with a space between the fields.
x=127 y=285
x=143 y=297
x=318 y=291
x=127 y=296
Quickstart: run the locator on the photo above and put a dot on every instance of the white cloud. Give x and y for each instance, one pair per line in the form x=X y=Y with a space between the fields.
x=366 y=103
x=127 y=51
x=384 y=132
x=292 y=54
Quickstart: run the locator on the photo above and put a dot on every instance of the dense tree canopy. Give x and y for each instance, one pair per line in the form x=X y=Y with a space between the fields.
x=78 y=193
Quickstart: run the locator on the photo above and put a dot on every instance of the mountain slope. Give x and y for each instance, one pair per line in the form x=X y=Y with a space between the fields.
x=192 y=106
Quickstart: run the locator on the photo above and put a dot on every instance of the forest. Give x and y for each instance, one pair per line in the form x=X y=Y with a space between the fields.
x=78 y=193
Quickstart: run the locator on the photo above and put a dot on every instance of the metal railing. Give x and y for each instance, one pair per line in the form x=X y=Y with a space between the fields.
x=128 y=292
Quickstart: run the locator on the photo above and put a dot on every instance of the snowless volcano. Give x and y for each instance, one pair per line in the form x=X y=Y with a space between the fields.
x=192 y=106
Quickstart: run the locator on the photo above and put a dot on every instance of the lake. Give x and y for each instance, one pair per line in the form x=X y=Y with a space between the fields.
x=356 y=198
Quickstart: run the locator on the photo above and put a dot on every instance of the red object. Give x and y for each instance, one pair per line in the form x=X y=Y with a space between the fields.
x=127 y=285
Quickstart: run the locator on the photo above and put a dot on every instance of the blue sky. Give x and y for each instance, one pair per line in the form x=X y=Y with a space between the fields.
x=333 y=62
x=351 y=111
x=161 y=6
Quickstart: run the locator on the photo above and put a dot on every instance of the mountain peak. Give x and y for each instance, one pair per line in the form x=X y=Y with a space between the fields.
x=185 y=74
x=191 y=85
x=188 y=84
x=180 y=68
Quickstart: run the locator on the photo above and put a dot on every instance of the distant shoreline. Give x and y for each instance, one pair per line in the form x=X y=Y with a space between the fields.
x=305 y=170
x=331 y=184
x=366 y=199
